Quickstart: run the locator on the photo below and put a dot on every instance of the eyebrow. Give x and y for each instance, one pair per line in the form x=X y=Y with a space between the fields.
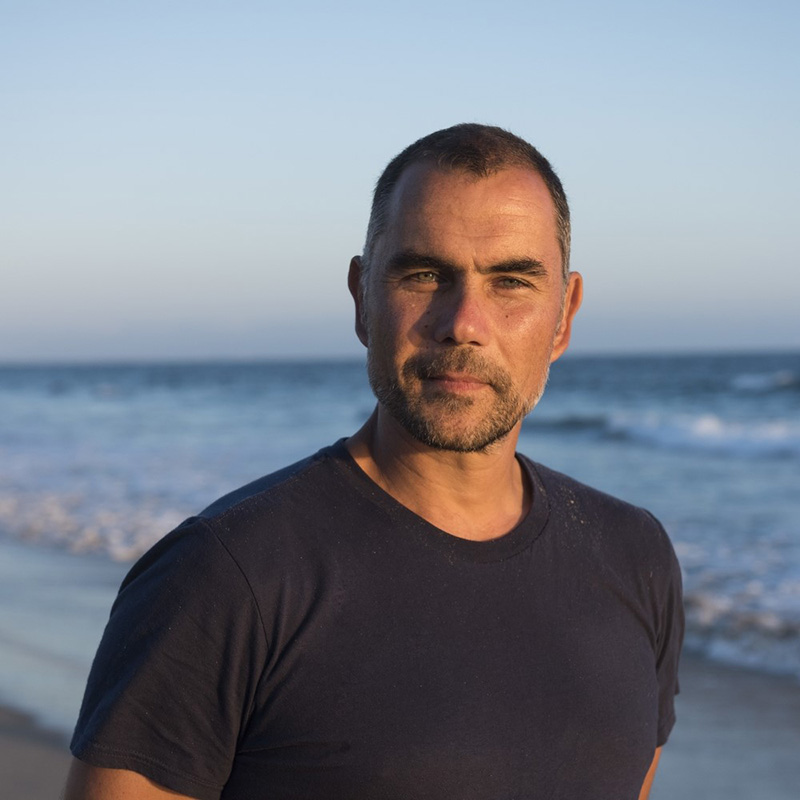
x=410 y=259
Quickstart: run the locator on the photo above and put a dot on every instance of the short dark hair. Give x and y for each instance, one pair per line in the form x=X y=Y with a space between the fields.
x=478 y=149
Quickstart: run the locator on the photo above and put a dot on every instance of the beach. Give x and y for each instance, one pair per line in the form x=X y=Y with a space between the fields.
x=33 y=761
x=99 y=461
x=737 y=738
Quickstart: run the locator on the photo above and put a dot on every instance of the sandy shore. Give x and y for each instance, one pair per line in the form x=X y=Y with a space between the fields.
x=33 y=762
x=737 y=738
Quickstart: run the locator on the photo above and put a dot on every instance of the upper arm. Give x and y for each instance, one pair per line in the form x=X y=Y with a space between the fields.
x=86 y=782
x=177 y=670
x=669 y=631
x=651 y=773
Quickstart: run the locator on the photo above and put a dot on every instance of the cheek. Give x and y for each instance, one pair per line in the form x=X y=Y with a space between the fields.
x=387 y=334
x=530 y=343
x=407 y=324
x=532 y=331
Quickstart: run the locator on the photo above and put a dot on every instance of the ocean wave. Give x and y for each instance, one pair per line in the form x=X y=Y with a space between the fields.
x=762 y=633
x=70 y=522
x=742 y=598
x=737 y=614
x=708 y=433
x=711 y=433
x=763 y=382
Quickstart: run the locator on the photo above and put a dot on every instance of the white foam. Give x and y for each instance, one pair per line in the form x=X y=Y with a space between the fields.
x=74 y=523
x=711 y=433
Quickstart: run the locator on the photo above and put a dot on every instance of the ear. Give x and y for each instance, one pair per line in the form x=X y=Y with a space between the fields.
x=572 y=302
x=354 y=284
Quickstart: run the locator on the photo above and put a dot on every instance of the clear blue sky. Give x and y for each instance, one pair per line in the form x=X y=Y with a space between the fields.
x=190 y=179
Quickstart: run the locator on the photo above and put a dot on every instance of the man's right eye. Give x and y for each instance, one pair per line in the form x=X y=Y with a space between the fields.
x=425 y=277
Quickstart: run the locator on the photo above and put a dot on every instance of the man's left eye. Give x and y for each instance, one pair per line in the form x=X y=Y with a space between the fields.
x=511 y=283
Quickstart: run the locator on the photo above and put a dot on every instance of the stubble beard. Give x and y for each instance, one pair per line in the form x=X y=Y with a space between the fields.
x=435 y=418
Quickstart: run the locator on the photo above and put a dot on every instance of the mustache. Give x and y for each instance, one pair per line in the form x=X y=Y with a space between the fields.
x=429 y=365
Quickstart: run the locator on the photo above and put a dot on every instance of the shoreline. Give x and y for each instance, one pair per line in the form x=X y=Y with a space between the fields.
x=736 y=738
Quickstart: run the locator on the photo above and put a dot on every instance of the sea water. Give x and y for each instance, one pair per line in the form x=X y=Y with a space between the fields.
x=99 y=461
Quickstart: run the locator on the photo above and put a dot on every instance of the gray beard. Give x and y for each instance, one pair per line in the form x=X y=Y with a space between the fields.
x=420 y=416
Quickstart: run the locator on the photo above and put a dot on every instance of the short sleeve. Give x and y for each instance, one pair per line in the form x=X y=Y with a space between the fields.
x=668 y=643
x=176 y=672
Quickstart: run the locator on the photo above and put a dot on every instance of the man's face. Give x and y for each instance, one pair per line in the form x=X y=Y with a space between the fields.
x=465 y=305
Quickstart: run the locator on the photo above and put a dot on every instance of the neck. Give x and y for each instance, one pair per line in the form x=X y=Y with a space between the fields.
x=478 y=496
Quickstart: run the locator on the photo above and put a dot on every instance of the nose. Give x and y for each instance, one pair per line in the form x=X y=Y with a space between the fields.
x=461 y=315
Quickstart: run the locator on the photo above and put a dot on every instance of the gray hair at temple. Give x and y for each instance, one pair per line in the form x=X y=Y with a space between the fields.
x=478 y=149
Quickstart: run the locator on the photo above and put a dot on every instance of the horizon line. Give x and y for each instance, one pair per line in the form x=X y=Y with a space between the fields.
x=200 y=360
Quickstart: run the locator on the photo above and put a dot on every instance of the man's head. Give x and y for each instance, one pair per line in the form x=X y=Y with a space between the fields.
x=461 y=298
x=480 y=150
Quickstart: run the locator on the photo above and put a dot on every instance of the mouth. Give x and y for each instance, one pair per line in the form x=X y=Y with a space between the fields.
x=456 y=372
x=457 y=382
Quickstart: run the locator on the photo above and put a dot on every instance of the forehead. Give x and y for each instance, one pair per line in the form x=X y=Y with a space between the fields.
x=510 y=210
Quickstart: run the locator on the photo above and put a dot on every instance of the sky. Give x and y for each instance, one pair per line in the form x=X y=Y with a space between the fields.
x=190 y=179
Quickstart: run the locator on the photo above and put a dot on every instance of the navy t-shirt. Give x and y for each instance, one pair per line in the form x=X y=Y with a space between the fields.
x=309 y=637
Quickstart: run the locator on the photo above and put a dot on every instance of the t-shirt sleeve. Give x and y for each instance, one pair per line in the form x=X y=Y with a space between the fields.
x=669 y=640
x=175 y=676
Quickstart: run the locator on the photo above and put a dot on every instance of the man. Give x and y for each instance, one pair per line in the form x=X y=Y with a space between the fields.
x=415 y=612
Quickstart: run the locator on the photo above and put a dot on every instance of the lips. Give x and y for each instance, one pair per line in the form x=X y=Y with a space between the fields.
x=460 y=379
x=463 y=369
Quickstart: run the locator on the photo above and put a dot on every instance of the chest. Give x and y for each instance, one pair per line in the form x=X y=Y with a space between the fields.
x=515 y=680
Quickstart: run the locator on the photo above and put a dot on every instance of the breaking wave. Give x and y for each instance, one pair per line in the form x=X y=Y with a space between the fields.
x=708 y=433
x=754 y=627
x=761 y=383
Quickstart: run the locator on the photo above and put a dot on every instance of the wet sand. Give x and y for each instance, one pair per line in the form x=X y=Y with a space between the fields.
x=737 y=738
x=33 y=761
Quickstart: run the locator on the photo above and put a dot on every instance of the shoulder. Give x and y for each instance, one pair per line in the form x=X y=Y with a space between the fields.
x=619 y=546
x=601 y=520
x=316 y=468
x=570 y=496
x=281 y=518
x=205 y=534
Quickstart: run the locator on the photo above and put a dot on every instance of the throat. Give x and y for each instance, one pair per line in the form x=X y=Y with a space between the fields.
x=476 y=496
x=468 y=522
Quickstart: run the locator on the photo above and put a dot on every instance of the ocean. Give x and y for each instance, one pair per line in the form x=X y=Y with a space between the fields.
x=97 y=462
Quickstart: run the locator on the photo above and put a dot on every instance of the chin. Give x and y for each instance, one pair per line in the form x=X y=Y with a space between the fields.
x=456 y=432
